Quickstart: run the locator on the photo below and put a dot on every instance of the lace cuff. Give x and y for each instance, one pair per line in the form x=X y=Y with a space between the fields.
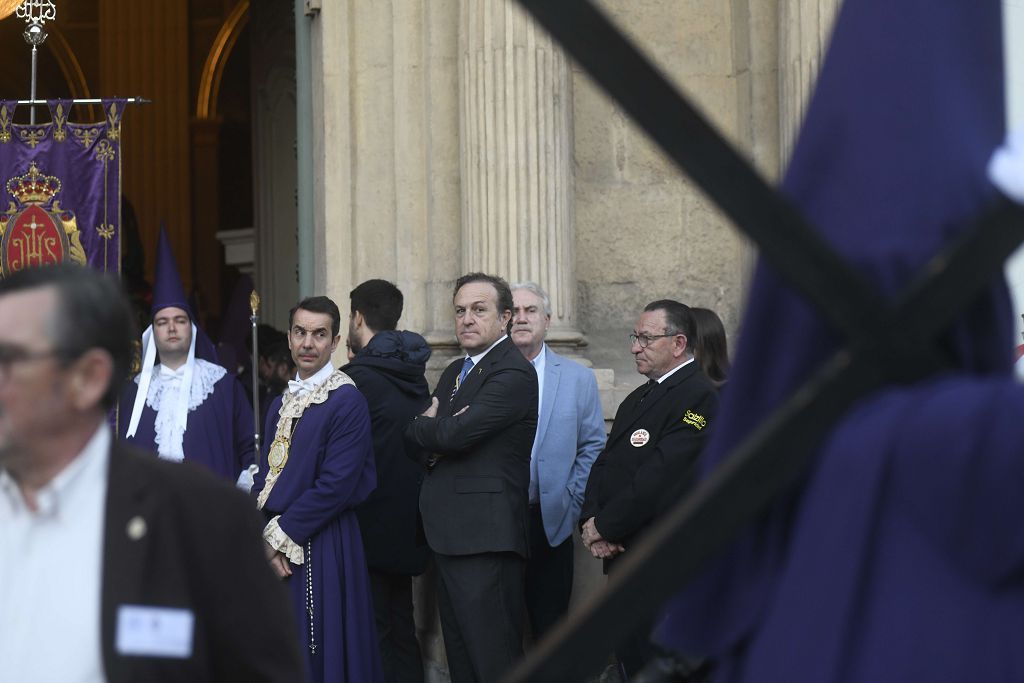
x=275 y=536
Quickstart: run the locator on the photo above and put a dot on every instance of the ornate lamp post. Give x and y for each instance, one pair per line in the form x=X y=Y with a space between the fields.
x=36 y=13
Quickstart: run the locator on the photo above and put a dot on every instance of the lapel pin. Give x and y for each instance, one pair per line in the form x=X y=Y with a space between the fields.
x=639 y=438
x=136 y=528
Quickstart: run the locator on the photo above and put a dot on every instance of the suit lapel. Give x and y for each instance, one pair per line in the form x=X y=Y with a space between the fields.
x=637 y=412
x=128 y=521
x=552 y=375
x=476 y=375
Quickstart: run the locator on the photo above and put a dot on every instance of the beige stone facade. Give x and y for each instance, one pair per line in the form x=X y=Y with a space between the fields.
x=453 y=135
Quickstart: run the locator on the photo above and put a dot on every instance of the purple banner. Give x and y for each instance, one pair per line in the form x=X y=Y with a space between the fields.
x=61 y=186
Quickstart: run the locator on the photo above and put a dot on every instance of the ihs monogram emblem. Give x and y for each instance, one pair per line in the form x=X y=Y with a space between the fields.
x=37 y=231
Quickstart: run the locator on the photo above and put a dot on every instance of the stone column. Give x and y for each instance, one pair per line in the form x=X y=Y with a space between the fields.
x=515 y=129
x=805 y=27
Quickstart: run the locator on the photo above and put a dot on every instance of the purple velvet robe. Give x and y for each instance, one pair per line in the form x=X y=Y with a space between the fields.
x=330 y=470
x=900 y=555
x=219 y=434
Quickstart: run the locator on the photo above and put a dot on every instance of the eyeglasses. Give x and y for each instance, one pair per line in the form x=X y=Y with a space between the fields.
x=10 y=355
x=644 y=340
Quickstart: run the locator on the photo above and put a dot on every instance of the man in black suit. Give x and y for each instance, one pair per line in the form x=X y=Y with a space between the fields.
x=113 y=565
x=387 y=367
x=479 y=430
x=649 y=461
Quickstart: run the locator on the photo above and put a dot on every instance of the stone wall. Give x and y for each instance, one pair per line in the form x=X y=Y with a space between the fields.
x=426 y=168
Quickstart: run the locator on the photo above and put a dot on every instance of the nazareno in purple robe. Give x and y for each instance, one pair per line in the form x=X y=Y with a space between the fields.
x=330 y=470
x=900 y=557
x=219 y=433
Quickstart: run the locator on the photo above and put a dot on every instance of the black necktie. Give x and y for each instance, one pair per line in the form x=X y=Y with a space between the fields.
x=651 y=383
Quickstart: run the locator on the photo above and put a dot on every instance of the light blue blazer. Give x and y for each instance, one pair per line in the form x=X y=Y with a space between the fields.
x=570 y=434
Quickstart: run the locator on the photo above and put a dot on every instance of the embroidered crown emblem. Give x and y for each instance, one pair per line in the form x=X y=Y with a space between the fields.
x=33 y=187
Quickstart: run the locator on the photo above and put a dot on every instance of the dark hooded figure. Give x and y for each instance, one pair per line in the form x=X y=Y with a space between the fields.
x=900 y=555
x=387 y=366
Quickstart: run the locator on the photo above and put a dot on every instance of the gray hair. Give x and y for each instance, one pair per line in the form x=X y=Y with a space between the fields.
x=537 y=291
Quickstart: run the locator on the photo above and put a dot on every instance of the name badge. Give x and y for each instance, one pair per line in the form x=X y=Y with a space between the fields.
x=154 y=631
x=639 y=438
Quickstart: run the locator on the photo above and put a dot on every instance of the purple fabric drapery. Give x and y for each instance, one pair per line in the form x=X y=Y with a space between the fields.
x=61 y=184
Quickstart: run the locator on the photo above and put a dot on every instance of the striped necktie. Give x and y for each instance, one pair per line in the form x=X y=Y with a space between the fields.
x=467 y=365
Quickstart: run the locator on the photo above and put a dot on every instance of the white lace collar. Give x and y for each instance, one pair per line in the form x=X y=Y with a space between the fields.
x=163 y=398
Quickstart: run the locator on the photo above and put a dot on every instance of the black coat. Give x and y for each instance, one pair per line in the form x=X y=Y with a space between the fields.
x=389 y=373
x=475 y=499
x=175 y=536
x=638 y=476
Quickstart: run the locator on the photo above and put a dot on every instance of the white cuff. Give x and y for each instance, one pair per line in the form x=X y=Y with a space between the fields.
x=245 y=478
x=275 y=536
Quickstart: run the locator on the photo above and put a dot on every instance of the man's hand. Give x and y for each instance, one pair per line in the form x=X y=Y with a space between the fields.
x=431 y=410
x=603 y=550
x=278 y=562
x=590 y=533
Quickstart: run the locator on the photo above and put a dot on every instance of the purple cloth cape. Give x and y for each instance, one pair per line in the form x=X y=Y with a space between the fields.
x=899 y=557
x=330 y=470
x=219 y=433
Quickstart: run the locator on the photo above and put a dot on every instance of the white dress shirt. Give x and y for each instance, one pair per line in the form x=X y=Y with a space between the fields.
x=538 y=364
x=51 y=573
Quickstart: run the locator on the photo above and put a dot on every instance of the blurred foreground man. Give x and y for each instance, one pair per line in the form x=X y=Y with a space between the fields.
x=318 y=467
x=113 y=565
x=479 y=430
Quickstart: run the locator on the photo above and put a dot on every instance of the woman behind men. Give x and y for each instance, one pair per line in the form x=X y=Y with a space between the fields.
x=711 y=348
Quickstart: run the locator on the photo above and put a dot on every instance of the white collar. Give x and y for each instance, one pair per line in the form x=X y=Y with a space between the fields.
x=49 y=497
x=480 y=356
x=673 y=371
x=304 y=386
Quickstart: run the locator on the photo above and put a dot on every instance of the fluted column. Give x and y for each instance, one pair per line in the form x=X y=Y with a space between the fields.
x=515 y=126
x=805 y=27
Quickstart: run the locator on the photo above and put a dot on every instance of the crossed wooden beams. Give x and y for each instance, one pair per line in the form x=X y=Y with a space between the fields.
x=886 y=342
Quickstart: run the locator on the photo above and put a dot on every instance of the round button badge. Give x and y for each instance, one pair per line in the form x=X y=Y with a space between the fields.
x=639 y=438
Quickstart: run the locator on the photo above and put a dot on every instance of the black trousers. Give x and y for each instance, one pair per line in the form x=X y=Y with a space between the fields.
x=480 y=598
x=548 y=577
x=396 y=628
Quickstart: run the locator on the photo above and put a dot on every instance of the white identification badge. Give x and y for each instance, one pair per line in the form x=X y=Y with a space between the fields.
x=639 y=438
x=154 y=631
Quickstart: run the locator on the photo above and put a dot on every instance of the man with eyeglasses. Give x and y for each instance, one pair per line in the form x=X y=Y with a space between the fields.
x=649 y=461
x=114 y=566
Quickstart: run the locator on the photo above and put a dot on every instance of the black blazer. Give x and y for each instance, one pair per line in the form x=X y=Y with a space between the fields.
x=638 y=476
x=474 y=500
x=174 y=536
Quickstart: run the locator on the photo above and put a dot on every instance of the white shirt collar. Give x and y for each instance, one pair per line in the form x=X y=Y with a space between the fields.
x=304 y=386
x=49 y=497
x=674 y=370
x=480 y=356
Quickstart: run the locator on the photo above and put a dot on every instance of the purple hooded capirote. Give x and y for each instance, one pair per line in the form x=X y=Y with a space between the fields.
x=900 y=557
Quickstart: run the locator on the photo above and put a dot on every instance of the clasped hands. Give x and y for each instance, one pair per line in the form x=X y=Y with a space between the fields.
x=598 y=546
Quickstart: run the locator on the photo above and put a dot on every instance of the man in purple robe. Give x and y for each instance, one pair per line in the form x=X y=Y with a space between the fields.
x=317 y=467
x=186 y=407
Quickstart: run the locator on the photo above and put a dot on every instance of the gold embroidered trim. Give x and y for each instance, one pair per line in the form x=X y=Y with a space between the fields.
x=291 y=410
